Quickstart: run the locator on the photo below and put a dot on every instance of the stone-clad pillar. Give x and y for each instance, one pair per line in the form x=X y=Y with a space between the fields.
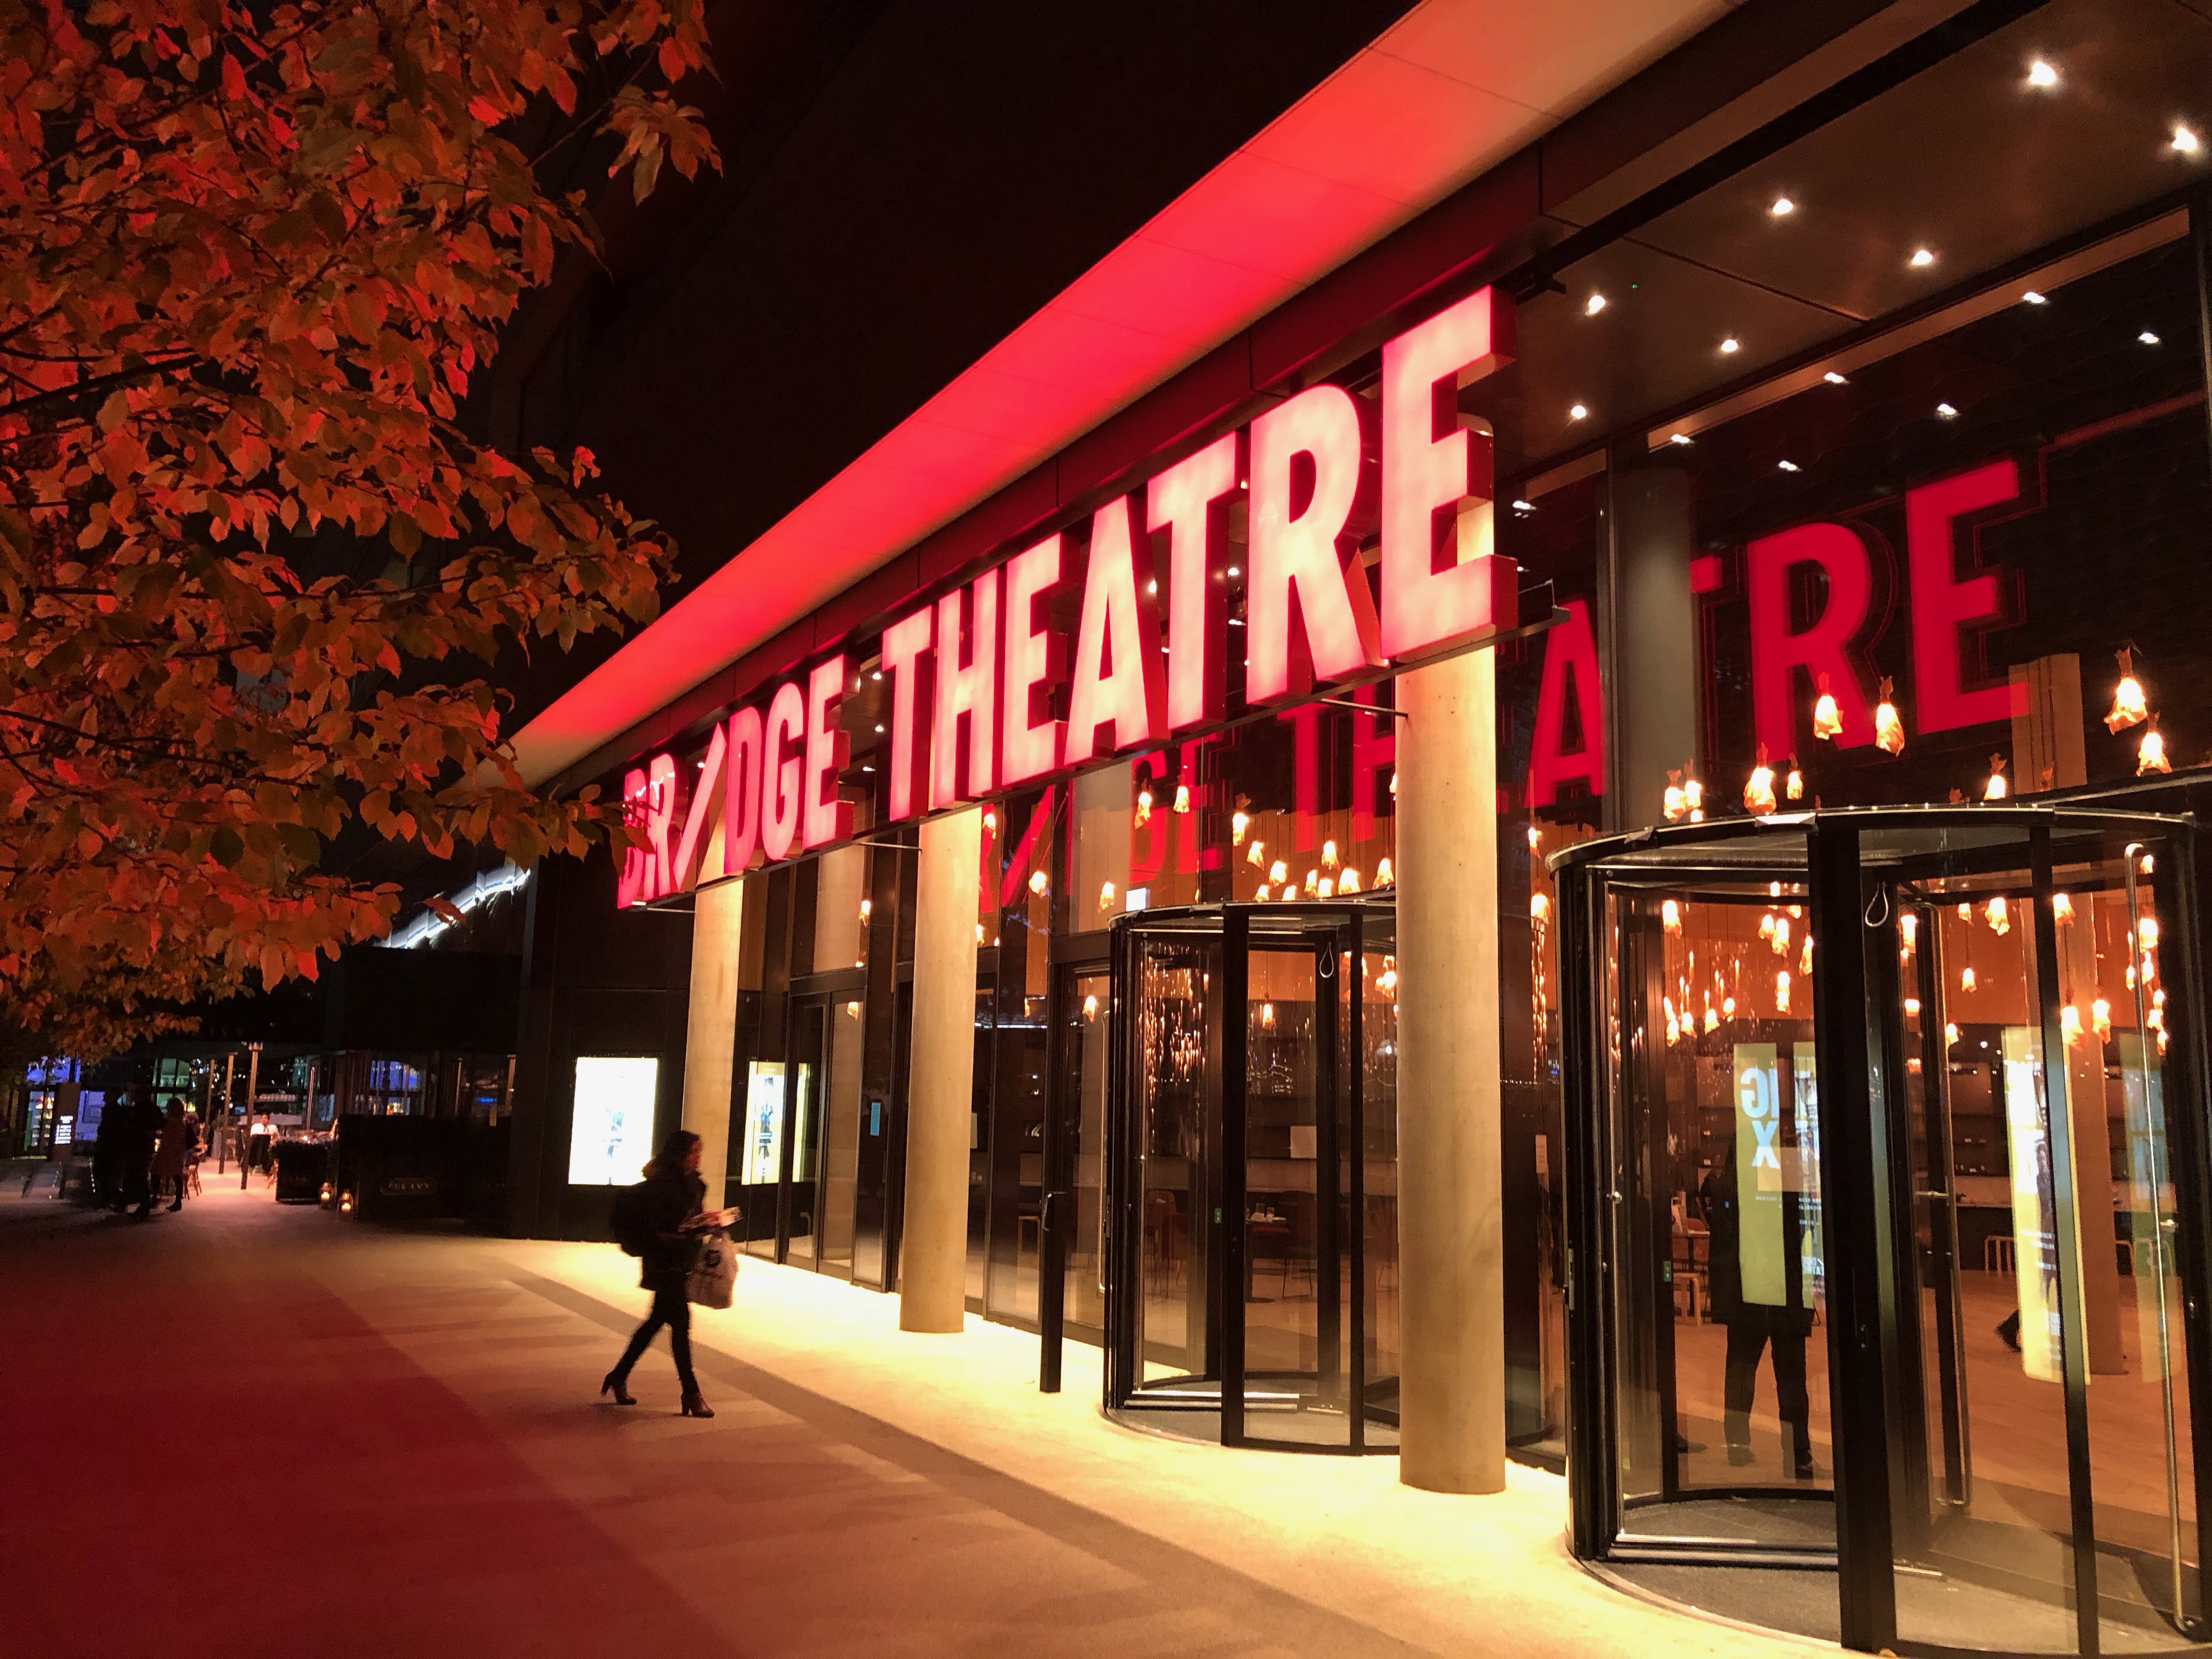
x=1648 y=623
x=1452 y=1286
x=934 y=1242
x=710 y=1044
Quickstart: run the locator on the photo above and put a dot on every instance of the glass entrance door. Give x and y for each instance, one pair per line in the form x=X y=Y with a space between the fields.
x=1886 y=1188
x=2050 y=1456
x=780 y=1157
x=1720 y=1384
x=1072 y=1287
x=1251 y=1248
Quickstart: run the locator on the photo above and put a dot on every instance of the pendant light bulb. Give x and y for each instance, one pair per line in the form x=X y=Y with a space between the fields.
x=2150 y=754
x=2129 y=707
x=1888 y=729
x=1759 y=788
x=1828 y=718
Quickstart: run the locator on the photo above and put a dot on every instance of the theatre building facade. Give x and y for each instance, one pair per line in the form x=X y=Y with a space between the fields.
x=1483 y=859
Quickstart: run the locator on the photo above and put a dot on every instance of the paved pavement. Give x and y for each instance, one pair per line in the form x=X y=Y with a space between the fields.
x=251 y=1430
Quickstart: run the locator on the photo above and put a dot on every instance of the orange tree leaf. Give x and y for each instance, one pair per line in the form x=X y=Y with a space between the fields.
x=256 y=260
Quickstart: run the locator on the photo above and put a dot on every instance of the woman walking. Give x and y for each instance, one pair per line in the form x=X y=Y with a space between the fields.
x=670 y=1219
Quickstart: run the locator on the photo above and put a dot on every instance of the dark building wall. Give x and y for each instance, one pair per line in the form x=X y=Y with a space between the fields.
x=452 y=1001
x=594 y=981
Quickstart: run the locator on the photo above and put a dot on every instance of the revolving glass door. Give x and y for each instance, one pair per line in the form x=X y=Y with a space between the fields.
x=1886 y=1195
x=1251 y=1232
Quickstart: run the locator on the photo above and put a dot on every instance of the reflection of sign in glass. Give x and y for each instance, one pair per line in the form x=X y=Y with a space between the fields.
x=1759 y=1173
x=1806 y=1076
x=610 y=1136
x=763 y=1122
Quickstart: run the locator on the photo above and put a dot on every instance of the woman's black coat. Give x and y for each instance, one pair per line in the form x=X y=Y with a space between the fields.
x=673 y=1198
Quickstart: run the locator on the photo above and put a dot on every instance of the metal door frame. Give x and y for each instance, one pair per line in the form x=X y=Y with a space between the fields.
x=1062 y=1135
x=1338 y=927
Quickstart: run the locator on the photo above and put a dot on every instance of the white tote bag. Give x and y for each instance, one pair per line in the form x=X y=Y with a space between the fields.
x=714 y=1278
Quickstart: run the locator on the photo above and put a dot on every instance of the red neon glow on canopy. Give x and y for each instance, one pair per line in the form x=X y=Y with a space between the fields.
x=1452 y=88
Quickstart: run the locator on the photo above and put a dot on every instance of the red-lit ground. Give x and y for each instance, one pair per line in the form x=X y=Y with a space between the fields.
x=246 y=1429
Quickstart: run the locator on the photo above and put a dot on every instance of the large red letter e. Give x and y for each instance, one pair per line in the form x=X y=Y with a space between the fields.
x=1943 y=607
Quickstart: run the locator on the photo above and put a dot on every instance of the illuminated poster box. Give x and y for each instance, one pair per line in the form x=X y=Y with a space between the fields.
x=610 y=1136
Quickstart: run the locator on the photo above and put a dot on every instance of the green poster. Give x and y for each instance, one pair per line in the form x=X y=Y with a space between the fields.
x=1759 y=1185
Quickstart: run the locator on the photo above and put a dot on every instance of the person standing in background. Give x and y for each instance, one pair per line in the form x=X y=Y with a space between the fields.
x=173 y=1159
x=1755 y=1329
x=135 y=1141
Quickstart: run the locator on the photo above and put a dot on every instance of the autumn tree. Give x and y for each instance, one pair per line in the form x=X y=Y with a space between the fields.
x=250 y=561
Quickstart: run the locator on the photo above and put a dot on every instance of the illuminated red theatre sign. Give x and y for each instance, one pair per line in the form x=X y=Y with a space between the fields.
x=975 y=678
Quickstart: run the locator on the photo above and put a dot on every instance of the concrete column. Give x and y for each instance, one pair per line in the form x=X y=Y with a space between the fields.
x=934 y=1242
x=711 y=1036
x=1647 y=628
x=1450 y=1242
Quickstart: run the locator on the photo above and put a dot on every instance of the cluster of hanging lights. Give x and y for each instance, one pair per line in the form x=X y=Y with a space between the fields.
x=2130 y=708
